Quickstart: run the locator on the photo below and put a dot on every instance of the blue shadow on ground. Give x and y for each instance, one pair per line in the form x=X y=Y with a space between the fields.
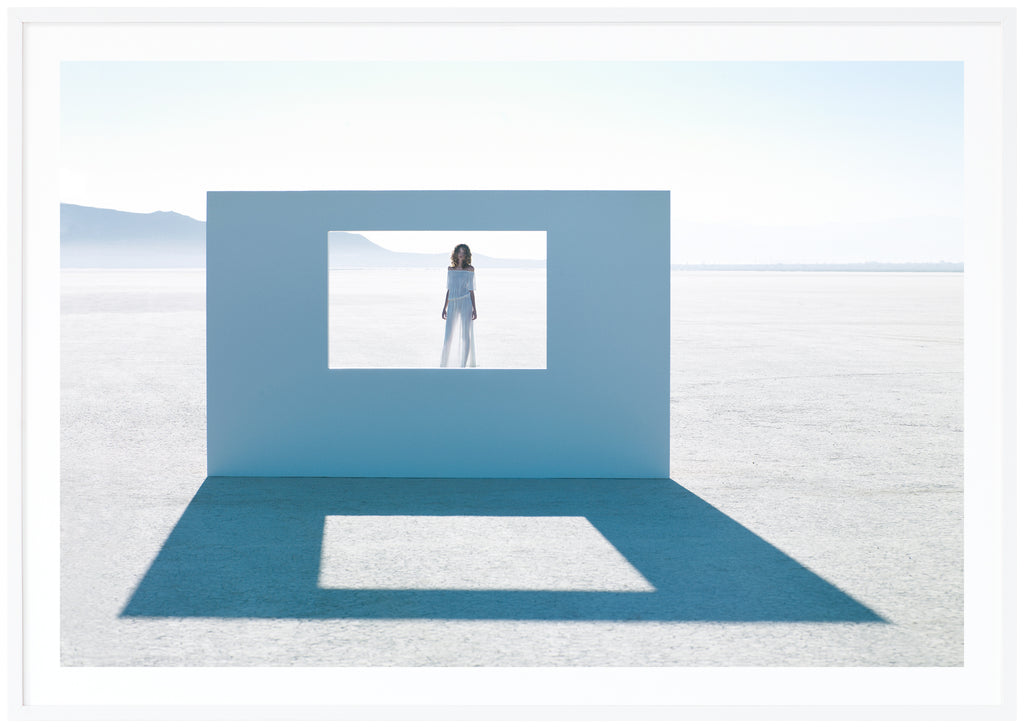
x=250 y=548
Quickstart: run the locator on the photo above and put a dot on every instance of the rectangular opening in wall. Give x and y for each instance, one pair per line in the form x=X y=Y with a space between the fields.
x=387 y=291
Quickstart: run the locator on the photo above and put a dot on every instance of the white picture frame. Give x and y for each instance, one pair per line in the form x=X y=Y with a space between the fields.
x=40 y=688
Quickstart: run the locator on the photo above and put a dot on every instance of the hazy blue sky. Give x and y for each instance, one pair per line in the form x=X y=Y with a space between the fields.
x=749 y=150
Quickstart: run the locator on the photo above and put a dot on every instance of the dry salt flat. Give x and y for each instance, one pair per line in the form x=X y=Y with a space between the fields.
x=816 y=419
x=391 y=318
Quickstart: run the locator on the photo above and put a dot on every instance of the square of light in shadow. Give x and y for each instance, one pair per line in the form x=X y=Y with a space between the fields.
x=515 y=553
x=387 y=289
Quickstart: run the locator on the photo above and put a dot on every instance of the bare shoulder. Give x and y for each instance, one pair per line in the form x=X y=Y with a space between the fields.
x=469 y=267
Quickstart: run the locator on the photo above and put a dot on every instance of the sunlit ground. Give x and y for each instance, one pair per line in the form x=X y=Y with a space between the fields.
x=821 y=413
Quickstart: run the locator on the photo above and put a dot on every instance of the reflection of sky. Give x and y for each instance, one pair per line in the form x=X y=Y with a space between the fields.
x=766 y=143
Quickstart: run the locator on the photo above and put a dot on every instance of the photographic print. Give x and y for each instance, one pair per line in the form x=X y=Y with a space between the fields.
x=813 y=509
x=650 y=353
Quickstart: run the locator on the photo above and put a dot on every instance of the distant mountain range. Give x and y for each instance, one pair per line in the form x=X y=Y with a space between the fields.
x=92 y=237
x=352 y=250
x=81 y=224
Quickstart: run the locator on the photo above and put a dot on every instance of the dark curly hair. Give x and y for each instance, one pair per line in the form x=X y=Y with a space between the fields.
x=455 y=253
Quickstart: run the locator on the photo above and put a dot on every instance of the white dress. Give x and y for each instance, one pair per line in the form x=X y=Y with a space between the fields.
x=459 y=349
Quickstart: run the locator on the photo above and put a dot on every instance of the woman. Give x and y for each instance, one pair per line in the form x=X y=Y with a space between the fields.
x=459 y=349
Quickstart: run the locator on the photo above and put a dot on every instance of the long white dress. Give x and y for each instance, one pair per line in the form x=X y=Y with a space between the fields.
x=459 y=349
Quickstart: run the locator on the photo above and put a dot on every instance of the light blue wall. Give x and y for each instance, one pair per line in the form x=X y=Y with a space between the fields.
x=600 y=409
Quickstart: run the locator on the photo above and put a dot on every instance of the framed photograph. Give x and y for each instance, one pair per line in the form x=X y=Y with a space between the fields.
x=798 y=222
